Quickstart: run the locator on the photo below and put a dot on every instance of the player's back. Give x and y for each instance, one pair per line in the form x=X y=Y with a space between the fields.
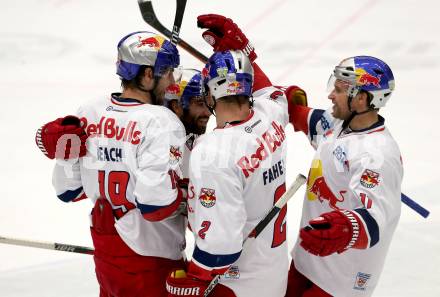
x=238 y=172
x=133 y=155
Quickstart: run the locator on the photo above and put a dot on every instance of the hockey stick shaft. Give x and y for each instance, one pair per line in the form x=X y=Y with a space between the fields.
x=414 y=206
x=180 y=10
x=47 y=245
x=151 y=19
x=299 y=181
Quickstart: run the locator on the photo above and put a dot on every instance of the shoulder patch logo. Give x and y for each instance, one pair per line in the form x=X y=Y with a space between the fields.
x=361 y=281
x=207 y=197
x=369 y=179
x=175 y=154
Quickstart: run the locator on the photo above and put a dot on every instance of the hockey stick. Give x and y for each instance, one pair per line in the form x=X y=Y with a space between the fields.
x=48 y=245
x=299 y=181
x=414 y=206
x=151 y=19
x=180 y=10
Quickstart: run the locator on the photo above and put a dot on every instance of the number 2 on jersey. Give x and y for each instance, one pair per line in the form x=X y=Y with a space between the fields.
x=279 y=228
x=117 y=182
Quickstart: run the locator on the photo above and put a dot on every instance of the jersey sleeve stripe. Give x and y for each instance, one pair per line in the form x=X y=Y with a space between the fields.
x=68 y=195
x=371 y=225
x=212 y=260
x=155 y=213
x=315 y=117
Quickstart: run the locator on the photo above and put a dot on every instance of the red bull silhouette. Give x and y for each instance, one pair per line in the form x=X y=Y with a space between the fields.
x=323 y=192
x=150 y=41
x=368 y=79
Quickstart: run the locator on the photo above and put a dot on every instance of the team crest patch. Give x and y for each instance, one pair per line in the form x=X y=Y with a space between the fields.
x=175 y=154
x=369 y=179
x=232 y=273
x=361 y=281
x=207 y=197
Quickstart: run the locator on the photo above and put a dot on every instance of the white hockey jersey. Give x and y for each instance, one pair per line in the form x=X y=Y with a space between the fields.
x=236 y=175
x=360 y=171
x=134 y=153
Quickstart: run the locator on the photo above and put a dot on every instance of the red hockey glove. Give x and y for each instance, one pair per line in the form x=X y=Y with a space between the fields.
x=72 y=145
x=297 y=107
x=332 y=232
x=223 y=34
x=179 y=284
x=296 y=96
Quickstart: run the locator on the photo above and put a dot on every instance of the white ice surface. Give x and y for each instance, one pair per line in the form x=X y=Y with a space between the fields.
x=57 y=54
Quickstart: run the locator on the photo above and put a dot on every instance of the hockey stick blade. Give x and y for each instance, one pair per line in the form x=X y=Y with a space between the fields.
x=151 y=19
x=299 y=181
x=62 y=247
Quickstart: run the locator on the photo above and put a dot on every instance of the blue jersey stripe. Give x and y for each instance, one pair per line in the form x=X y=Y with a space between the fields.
x=146 y=208
x=315 y=117
x=372 y=226
x=214 y=261
x=70 y=195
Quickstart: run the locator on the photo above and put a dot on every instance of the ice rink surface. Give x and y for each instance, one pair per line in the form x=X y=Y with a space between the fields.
x=57 y=54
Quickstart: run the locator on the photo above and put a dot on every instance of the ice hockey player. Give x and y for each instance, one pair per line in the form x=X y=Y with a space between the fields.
x=186 y=100
x=237 y=173
x=130 y=170
x=352 y=203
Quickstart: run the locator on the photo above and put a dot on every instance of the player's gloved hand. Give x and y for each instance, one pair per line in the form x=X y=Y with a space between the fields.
x=296 y=96
x=331 y=232
x=73 y=138
x=223 y=34
x=179 y=284
x=297 y=107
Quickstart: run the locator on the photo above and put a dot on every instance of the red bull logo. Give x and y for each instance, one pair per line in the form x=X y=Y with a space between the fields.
x=366 y=79
x=235 y=88
x=369 y=179
x=205 y=72
x=175 y=154
x=172 y=92
x=149 y=41
x=207 y=197
x=323 y=192
x=317 y=187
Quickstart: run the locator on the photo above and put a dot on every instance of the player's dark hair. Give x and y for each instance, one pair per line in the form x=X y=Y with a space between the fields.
x=136 y=81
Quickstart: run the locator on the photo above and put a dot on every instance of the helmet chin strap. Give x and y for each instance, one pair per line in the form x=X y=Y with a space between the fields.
x=211 y=108
x=346 y=122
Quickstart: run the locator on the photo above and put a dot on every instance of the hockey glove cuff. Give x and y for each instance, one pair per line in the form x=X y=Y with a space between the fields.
x=180 y=284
